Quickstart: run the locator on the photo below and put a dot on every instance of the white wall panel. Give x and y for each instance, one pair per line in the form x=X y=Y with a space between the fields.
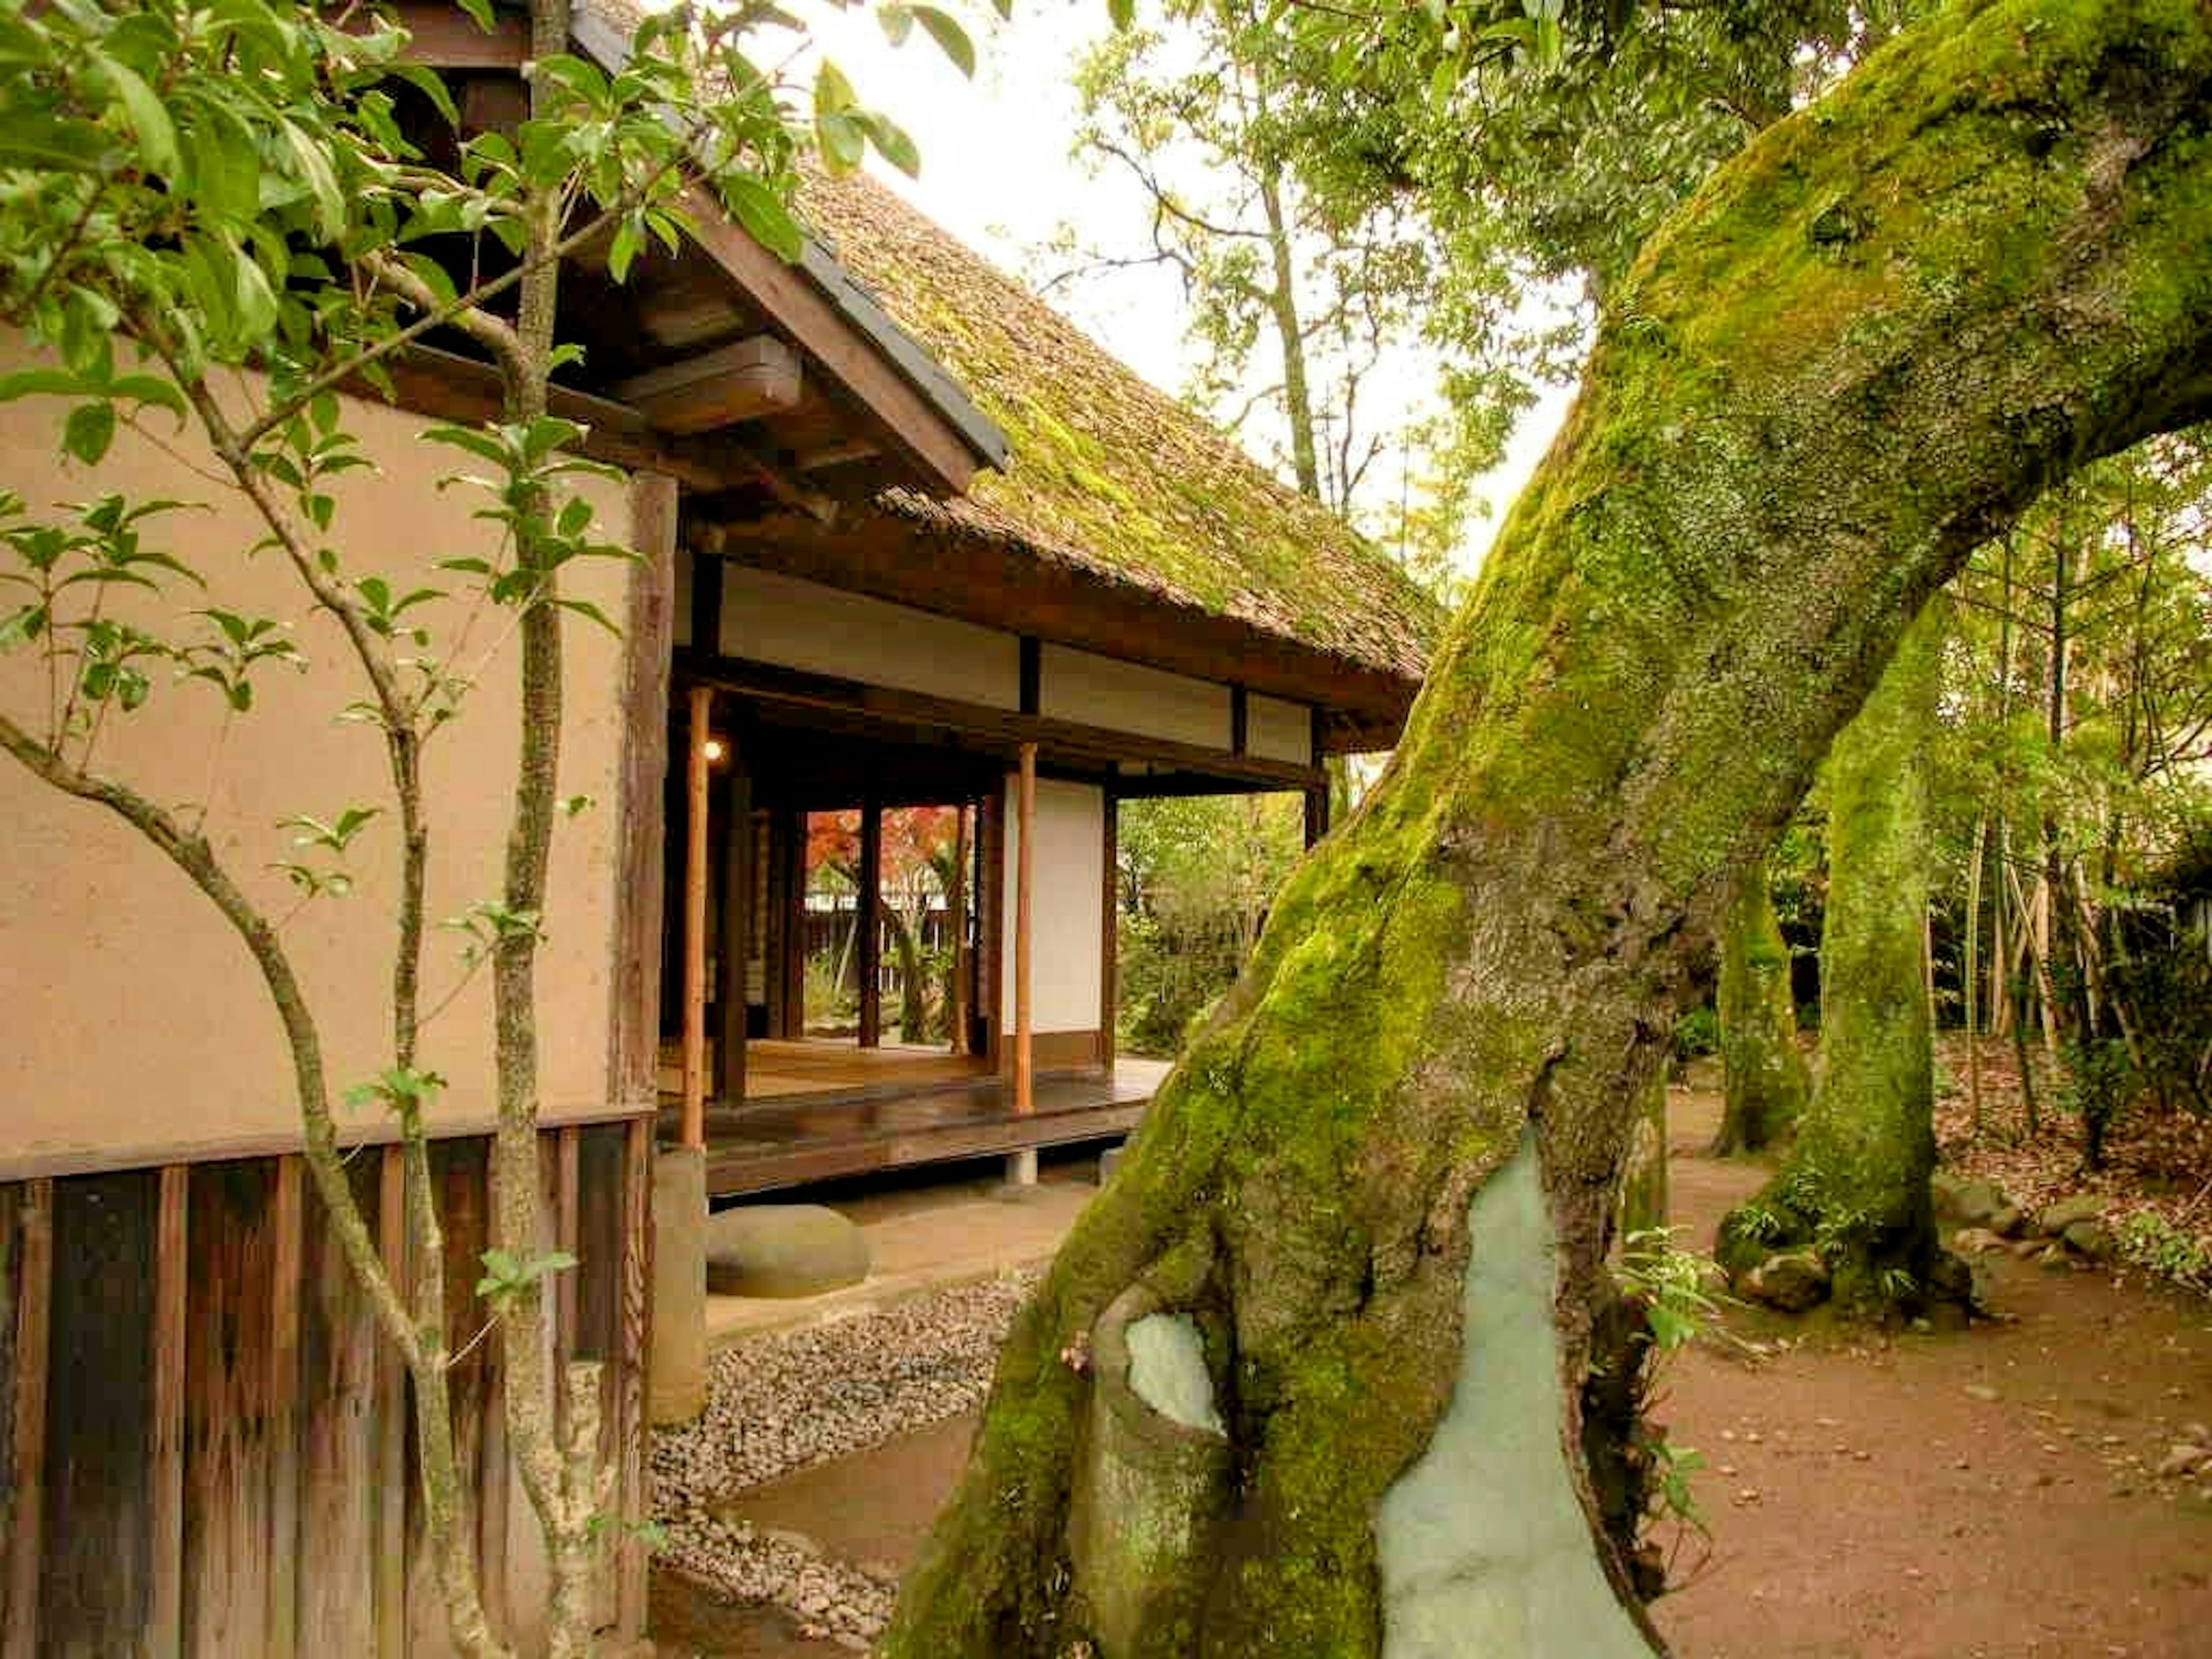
x=795 y=623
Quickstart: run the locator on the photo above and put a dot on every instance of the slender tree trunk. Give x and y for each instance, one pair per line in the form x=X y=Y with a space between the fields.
x=1766 y=1078
x=1364 y=1224
x=1970 y=977
x=1855 y=1183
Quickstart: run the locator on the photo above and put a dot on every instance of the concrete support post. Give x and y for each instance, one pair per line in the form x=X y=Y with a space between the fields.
x=676 y=1367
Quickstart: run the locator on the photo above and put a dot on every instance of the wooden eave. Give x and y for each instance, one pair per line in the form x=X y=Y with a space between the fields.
x=733 y=372
x=1000 y=585
x=834 y=704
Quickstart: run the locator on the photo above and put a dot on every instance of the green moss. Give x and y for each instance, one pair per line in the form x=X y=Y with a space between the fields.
x=1766 y=1077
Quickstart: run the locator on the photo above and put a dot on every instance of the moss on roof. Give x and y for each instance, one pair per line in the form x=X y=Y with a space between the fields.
x=1108 y=474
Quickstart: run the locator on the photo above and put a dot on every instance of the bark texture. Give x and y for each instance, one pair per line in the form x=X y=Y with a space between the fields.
x=1855 y=1182
x=1860 y=349
x=1766 y=1078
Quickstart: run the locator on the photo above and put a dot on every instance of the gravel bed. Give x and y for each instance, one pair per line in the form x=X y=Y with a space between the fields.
x=790 y=1399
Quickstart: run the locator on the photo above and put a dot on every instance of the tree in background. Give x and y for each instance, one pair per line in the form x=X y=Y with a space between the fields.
x=1198 y=875
x=1765 y=1078
x=1327 y=326
x=1363 y=1225
x=1855 y=1183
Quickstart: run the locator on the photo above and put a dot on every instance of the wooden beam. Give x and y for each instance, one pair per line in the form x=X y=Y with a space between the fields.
x=34 y=1282
x=791 y=301
x=694 y=921
x=1240 y=721
x=793 y=900
x=1024 y=875
x=741 y=381
x=641 y=811
x=868 y=920
x=1000 y=730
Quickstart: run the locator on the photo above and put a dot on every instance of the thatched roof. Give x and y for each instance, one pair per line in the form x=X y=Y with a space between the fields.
x=1106 y=474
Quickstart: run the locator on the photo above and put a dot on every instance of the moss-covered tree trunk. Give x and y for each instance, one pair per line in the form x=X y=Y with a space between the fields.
x=1765 y=1075
x=1855 y=1185
x=1286 y=1389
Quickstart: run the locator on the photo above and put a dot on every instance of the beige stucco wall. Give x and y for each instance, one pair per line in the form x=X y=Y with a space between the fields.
x=131 y=1018
x=1067 y=900
x=772 y=618
x=1277 y=730
x=1127 y=697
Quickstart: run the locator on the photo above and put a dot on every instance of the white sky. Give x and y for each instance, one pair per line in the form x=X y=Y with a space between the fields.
x=996 y=171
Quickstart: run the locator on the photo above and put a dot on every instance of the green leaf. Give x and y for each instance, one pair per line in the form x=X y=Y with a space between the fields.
x=628 y=240
x=585 y=609
x=763 y=215
x=1121 y=12
x=156 y=135
x=89 y=430
x=892 y=141
x=951 y=39
x=481 y=11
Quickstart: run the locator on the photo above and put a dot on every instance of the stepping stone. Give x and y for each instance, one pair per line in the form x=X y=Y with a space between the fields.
x=783 y=1250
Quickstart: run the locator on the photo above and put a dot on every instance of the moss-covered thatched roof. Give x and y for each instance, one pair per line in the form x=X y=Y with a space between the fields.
x=1106 y=473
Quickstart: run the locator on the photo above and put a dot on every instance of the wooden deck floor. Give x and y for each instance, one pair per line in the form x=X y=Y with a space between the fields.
x=776 y=1068
x=764 y=1145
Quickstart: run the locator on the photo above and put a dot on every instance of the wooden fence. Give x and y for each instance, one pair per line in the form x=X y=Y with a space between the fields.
x=206 y=1447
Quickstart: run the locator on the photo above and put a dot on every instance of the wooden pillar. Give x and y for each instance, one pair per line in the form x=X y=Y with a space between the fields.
x=1025 y=873
x=735 y=942
x=867 y=917
x=792 y=906
x=695 y=922
x=1316 y=815
x=956 y=921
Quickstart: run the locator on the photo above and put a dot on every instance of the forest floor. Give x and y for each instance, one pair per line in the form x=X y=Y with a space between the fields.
x=1976 y=1494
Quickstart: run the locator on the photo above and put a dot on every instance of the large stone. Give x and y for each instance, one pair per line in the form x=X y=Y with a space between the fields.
x=1968 y=1203
x=1793 y=1281
x=2091 y=1239
x=2057 y=1217
x=2010 y=1221
x=783 y=1250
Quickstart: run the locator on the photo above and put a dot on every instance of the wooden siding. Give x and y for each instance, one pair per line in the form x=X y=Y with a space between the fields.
x=204 y=1443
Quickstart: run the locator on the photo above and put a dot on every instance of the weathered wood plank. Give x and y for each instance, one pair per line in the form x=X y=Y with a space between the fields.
x=628 y=1426
x=287 y=1274
x=94 y=1579
x=338 y=1452
x=458 y=1173
x=26 y=1217
x=229 y=1301
x=599 y=1206
x=648 y=632
x=391 y=1423
x=165 y=1496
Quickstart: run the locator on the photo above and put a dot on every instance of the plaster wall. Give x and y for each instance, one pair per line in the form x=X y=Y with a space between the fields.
x=1067 y=920
x=1127 y=697
x=794 y=623
x=132 y=1019
x=1277 y=730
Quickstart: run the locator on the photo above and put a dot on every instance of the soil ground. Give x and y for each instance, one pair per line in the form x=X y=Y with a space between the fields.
x=1983 y=1494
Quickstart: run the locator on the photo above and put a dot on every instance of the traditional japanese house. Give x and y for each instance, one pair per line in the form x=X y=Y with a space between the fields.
x=907 y=540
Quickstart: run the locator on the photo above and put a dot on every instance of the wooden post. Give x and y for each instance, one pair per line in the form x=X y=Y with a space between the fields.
x=868 y=925
x=694 y=924
x=956 y=919
x=735 y=942
x=1024 y=871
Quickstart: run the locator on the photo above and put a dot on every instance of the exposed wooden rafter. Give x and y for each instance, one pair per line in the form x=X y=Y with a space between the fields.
x=741 y=381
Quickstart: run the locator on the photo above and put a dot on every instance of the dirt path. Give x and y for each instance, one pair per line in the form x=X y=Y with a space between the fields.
x=1978 y=1495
